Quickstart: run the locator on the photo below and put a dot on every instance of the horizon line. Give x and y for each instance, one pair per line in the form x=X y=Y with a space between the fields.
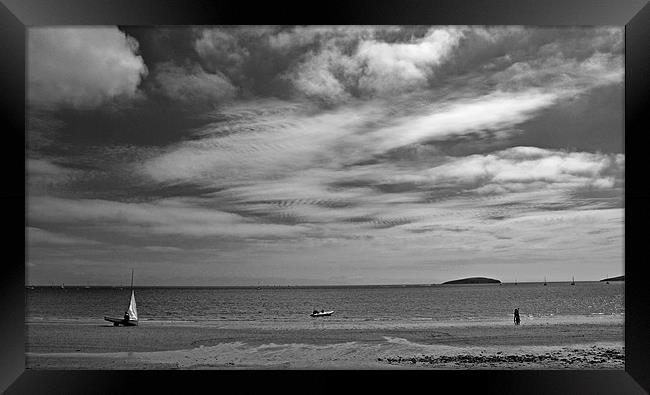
x=302 y=285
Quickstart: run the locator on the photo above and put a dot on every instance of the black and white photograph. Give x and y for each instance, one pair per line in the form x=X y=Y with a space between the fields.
x=325 y=197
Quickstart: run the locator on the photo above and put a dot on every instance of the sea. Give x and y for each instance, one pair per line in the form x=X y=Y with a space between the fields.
x=353 y=306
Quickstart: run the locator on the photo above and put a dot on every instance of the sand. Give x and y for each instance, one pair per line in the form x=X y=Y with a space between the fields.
x=96 y=345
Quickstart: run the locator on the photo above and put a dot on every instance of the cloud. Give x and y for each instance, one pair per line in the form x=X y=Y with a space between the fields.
x=44 y=168
x=498 y=111
x=327 y=63
x=37 y=236
x=374 y=67
x=416 y=160
x=81 y=66
x=163 y=249
x=257 y=140
x=527 y=168
x=348 y=202
x=272 y=138
x=334 y=64
x=559 y=72
x=317 y=76
x=459 y=192
x=221 y=50
x=394 y=67
x=191 y=84
x=281 y=163
x=43 y=175
x=164 y=217
x=301 y=37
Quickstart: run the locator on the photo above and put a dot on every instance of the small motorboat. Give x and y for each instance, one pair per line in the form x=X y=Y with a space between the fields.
x=321 y=313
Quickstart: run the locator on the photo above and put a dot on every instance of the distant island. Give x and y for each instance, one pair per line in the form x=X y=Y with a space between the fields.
x=474 y=280
x=619 y=278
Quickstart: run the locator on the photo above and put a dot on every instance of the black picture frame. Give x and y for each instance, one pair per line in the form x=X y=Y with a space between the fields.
x=17 y=15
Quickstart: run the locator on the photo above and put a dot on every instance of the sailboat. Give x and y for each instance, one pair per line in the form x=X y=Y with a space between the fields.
x=131 y=314
x=544 y=281
x=573 y=281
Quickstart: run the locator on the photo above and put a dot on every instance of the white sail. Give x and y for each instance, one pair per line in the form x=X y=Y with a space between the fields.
x=133 y=311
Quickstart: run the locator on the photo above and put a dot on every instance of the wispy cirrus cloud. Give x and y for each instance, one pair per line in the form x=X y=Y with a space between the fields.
x=497 y=112
x=37 y=236
x=42 y=173
x=168 y=216
x=255 y=141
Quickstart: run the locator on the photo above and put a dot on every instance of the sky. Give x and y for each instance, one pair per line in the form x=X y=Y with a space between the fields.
x=323 y=155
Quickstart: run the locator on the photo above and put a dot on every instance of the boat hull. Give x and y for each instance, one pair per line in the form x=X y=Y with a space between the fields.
x=325 y=314
x=121 y=321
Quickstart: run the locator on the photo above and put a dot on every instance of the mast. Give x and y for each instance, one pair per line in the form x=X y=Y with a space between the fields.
x=131 y=280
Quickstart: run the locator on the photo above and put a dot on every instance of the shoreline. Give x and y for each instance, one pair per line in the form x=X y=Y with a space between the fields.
x=533 y=346
x=337 y=322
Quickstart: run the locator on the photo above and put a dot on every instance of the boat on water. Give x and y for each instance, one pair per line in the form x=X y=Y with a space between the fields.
x=131 y=315
x=321 y=313
x=573 y=281
x=544 y=280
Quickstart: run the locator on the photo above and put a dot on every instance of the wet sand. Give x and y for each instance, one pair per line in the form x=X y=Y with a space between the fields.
x=96 y=345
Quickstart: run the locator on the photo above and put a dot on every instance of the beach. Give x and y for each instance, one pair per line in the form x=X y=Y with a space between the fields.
x=591 y=344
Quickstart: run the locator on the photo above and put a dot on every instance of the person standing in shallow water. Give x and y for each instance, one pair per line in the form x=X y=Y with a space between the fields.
x=517 y=319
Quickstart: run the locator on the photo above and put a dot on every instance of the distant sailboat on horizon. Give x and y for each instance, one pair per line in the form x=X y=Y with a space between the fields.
x=545 y=281
x=573 y=280
x=131 y=314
